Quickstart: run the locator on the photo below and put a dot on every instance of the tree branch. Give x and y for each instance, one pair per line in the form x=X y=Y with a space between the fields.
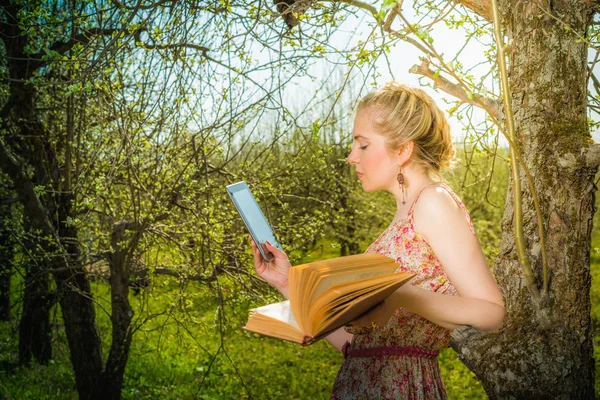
x=62 y=47
x=25 y=190
x=138 y=39
x=454 y=89
x=12 y=200
x=179 y=275
x=594 y=80
x=141 y=7
x=360 y=4
x=483 y=8
x=592 y=155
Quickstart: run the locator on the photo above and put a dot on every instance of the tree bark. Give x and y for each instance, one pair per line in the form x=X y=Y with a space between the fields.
x=544 y=349
x=6 y=256
x=120 y=260
x=35 y=333
x=5 y=274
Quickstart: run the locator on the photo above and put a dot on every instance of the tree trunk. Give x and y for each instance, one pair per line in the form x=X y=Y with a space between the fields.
x=77 y=305
x=5 y=274
x=111 y=381
x=544 y=349
x=6 y=257
x=35 y=333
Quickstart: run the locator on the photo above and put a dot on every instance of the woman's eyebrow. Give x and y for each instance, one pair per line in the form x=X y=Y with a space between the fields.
x=360 y=137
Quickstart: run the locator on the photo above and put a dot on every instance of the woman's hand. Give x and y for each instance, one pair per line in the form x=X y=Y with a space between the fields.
x=275 y=272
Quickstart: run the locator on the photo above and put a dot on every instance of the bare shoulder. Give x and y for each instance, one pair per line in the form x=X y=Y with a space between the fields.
x=436 y=206
x=439 y=217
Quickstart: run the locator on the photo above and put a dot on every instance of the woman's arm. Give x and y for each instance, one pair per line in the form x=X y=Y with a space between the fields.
x=339 y=337
x=276 y=274
x=443 y=224
x=447 y=311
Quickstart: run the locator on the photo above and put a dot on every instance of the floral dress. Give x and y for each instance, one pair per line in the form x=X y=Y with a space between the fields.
x=378 y=371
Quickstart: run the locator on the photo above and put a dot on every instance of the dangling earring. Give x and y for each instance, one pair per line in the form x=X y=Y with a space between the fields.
x=401 y=182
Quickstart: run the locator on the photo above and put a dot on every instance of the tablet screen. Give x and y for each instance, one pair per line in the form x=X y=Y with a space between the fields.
x=254 y=217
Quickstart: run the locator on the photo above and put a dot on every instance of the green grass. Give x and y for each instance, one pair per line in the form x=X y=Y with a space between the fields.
x=180 y=355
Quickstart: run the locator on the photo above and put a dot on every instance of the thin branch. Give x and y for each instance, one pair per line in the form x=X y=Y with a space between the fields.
x=594 y=80
x=453 y=89
x=8 y=201
x=151 y=6
x=179 y=275
x=360 y=4
x=524 y=261
x=203 y=49
x=62 y=47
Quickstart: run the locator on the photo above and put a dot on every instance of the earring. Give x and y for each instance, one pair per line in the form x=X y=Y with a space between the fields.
x=401 y=182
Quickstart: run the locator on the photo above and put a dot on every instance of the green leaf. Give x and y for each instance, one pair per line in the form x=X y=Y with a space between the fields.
x=315 y=128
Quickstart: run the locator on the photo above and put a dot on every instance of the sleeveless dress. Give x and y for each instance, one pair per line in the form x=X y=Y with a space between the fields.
x=377 y=373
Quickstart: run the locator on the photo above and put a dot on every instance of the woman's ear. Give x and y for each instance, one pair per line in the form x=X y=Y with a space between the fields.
x=405 y=152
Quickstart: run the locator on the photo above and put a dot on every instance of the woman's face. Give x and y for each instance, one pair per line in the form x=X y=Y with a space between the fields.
x=374 y=164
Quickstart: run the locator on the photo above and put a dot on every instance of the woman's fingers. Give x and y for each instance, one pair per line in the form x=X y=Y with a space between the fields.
x=258 y=260
x=275 y=250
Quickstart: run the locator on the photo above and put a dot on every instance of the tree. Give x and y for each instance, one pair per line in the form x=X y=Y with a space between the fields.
x=7 y=249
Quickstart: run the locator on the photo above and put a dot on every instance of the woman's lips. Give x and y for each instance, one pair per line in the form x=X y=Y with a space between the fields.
x=360 y=175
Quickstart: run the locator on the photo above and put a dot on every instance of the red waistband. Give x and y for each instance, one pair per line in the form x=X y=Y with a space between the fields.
x=410 y=351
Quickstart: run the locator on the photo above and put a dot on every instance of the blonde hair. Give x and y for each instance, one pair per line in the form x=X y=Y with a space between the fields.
x=402 y=113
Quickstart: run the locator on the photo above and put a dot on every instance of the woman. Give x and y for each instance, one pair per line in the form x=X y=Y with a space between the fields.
x=401 y=142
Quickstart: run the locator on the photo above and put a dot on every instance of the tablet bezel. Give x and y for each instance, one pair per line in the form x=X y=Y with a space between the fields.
x=238 y=187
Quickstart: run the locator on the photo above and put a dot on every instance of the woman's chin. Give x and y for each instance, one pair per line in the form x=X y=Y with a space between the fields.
x=366 y=187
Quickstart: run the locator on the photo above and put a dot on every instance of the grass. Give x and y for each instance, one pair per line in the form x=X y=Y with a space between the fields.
x=180 y=354
x=167 y=362
x=172 y=358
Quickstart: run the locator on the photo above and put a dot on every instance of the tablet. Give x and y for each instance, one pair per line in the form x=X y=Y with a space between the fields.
x=253 y=217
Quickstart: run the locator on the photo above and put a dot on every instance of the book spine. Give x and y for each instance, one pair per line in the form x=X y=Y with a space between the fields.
x=308 y=340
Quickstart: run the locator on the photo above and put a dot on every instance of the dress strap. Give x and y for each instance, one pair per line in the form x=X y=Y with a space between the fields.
x=453 y=195
x=418 y=195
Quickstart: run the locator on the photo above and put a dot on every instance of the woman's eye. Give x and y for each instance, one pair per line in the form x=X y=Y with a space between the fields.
x=363 y=147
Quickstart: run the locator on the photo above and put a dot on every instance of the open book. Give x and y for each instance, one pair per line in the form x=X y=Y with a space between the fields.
x=325 y=295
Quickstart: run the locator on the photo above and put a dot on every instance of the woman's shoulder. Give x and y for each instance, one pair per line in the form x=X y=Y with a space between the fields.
x=439 y=204
x=440 y=193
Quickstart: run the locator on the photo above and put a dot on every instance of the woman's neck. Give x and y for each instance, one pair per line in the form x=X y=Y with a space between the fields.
x=415 y=182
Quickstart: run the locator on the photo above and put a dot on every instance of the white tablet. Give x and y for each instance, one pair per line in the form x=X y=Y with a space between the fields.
x=253 y=217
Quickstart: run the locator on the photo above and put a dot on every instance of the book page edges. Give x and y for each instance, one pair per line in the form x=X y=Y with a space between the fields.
x=275 y=320
x=358 y=307
x=309 y=281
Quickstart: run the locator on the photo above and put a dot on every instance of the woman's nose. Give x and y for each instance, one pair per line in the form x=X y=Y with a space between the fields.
x=352 y=158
